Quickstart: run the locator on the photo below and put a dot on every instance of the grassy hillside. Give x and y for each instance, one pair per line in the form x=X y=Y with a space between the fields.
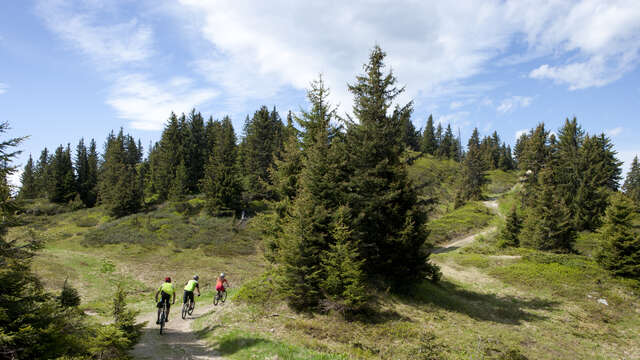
x=491 y=303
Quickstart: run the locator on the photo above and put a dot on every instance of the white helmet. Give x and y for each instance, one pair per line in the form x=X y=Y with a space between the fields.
x=222 y=275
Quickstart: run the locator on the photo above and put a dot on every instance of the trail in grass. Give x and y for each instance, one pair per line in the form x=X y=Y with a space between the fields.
x=458 y=243
x=178 y=340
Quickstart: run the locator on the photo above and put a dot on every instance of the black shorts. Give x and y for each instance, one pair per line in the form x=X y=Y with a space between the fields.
x=187 y=295
x=165 y=297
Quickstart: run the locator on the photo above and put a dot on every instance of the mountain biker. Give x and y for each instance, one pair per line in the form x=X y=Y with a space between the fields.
x=167 y=291
x=189 y=288
x=220 y=283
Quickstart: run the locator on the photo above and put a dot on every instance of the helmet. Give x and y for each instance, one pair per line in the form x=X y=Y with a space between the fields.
x=222 y=275
x=167 y=279
x=196 y=277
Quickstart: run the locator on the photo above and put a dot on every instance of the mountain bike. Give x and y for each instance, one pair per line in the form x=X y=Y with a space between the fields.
x=163 y=316
x=220 y=297
x=187 y=308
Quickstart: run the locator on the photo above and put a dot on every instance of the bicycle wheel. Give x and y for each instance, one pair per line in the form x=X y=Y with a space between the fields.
x=223 y=296
x=185 y=310
x=163 y=315
x=216 y=298
x=191 y=307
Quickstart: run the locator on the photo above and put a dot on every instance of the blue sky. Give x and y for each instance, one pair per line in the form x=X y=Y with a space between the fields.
x=79 y=68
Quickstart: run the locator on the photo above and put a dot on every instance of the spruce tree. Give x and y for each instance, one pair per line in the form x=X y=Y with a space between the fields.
x=632 y=183
x=444 y=150
x=86 y=172
x=344 y=280
x=388 y=224
x=429 y=144
x=549 y=224
x=120 y=187
x=620 y=244
x=91 y=184
x=473 y=176
x=221 y=183
x=438 y=139
x=43 y=174
x=307 y=228
x=170 y=154
x=179 y=184
x=286 y=169
x=262 y=141
x=511 y=231
x=28 y=189
x=195 y=147
x=410 y=137
x=63 y=184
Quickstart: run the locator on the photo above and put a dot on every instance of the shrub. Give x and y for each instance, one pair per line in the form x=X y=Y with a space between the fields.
x=86 y=222
x=69 y=296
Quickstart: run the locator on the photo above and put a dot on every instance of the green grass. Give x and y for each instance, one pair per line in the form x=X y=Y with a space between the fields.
x=237 y=344
x=462 y=221
x=435 y=180
x=500 y=181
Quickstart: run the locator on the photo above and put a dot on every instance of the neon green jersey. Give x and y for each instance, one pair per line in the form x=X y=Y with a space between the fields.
x=167 y=288
x=191 y=285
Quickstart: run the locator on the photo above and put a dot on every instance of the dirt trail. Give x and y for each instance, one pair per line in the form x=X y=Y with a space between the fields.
x=458 y=243
x=178 y=340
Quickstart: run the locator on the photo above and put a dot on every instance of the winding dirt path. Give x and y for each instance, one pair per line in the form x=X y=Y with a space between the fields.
x=458 y=243
x=178 y=340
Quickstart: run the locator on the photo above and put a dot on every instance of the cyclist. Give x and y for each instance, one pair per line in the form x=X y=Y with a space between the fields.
x=166 y=290
x=189 y=288
x=220 y=283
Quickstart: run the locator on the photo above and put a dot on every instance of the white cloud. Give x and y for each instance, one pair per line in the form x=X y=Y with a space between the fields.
x=457 y=120
x=455 y=105
x=3 y=88
x=615 y=131
x=512 y=103
x=626 y=156
x=520 y=132
x=108 y=45
x=15 y=180
x=602 y=36
x=265 y=47
x=148 y=104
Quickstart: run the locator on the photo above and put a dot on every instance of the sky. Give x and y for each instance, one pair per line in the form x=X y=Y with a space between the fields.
x=72 y=69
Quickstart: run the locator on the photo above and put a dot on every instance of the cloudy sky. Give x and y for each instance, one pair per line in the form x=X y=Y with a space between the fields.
x=79 y=68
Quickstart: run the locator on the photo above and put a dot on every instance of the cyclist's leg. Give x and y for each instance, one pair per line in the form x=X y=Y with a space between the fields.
x=167 y=298
x=193 y=300
x=185 y=296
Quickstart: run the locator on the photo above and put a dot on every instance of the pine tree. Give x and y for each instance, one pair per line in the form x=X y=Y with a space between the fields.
x=429 y=144
x=285 y=172
x=632 y=183
x=473 y=177
x=307 y=227
x=620 y=244
x=221 y=182
x=549 y=224
x=91 y=184
x=64 y=187
x=120 y=187
x=438 y=139
x=262 y=141
x=179 y=184
x=28 y=189
x=444 y=150
x=196 y=153
x=170 y=154
x=511 y=231
x=410 y=137
x=344 y=279
x=86 y=172
x=388 y=225
x=43 y=174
